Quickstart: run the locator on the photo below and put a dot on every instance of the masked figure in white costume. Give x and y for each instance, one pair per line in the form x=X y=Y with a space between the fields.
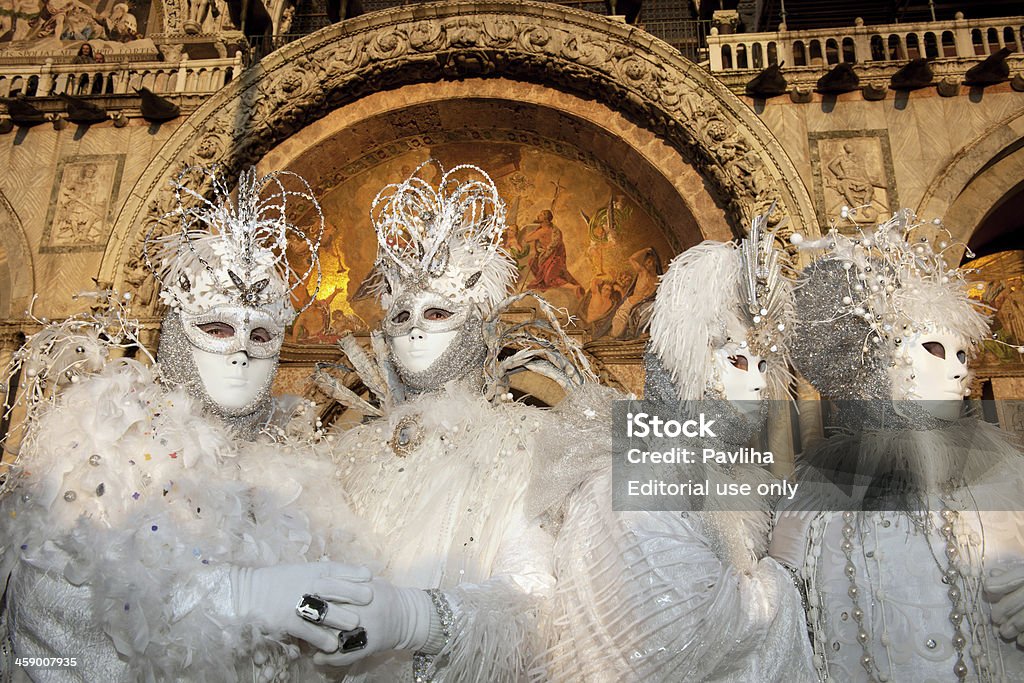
x=154 y=530
x=673 y=596
x=444 y=473
x=903 y=582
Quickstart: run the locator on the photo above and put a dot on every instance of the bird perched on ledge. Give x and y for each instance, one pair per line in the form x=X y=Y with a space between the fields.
x=993 y=69
x=155 y=108
x=83 y=111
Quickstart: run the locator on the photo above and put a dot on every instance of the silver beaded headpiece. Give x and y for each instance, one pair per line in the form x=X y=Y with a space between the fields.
x=233 y=252
x=446 y=238
x=717 y=292
x=869 y=291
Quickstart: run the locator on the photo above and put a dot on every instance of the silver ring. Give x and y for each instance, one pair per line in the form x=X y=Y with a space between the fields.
x=352 y=640
x=312 y=608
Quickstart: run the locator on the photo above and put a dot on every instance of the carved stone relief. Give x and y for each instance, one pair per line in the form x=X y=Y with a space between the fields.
x=853 y=169
x=139 y=280
x=82 y=203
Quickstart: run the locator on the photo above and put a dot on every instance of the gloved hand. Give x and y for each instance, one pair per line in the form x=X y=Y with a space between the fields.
x=394 y=619
x=269 y=595
x=790 y=535
x=1004 y=588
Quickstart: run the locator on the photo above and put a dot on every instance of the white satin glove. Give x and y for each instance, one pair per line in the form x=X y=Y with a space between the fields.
x=790 y=535
x=1004 y=588
x=269 y=596
x=394 y=619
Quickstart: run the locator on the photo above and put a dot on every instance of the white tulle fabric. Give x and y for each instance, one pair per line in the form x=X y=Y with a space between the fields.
x=642 y=596
x=123 y=559
x=451 y=516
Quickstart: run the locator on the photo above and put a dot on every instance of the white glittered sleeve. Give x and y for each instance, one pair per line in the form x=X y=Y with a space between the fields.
x=642 y=596
x=493 y=626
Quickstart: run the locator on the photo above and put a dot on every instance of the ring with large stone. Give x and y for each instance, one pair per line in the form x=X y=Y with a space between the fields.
x=312 y=608
x=352 y=640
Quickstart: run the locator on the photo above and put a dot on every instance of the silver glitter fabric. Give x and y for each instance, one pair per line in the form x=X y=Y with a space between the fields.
x=829 y=346
x=422 y=663
x=832 y=351
x=658 y=384
x=178 y=367
x=464 y=357
x=871 y=291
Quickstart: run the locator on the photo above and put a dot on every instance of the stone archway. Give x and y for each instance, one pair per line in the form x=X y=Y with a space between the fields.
x=553 y=47
x=980 y=176
x=356 y=137
x=17 y=270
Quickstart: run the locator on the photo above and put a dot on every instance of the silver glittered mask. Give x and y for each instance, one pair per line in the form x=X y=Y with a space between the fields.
x=229 y=329
x=423 y=328
x=423 y=310
x=429 y=359
x=231 y=385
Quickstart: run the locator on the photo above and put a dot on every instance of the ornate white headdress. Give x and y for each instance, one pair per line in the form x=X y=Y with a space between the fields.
x=716 y=292
x=868 y=292
x=62 y=352
x=447 y=239
x=234 y=251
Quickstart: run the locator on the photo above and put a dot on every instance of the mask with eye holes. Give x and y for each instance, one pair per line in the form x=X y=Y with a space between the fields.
x=433 y=340
x=227 y=357
x=739 y=376
x=742 y=376
x=931 y=368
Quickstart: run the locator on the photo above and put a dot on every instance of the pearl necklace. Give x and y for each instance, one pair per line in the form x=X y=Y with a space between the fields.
x=951 y=576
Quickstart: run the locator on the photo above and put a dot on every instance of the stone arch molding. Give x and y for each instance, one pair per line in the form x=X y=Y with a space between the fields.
x=17 y=270
x=977 y=178
x=584 y=54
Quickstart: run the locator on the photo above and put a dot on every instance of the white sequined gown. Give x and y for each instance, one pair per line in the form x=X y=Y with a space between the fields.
x=119 y=542
x=451 y=513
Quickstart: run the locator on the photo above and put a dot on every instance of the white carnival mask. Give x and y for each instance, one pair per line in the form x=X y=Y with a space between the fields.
x=221 y=258
x=742 y=376
x=235 y=350
x=932 y=368
x=420 y=327
x=233 y=381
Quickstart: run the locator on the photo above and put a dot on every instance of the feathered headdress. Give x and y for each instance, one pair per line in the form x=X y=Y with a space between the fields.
x=234 y=251
x=62 y=352
x=868 y=293
x=715 y=292
x=446 y=238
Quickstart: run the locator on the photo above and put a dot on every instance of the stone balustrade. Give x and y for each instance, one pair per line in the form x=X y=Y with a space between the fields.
x=959 y=39
x=184 y=77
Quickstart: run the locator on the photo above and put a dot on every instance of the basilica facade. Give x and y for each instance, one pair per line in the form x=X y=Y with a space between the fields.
x=617 y=143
